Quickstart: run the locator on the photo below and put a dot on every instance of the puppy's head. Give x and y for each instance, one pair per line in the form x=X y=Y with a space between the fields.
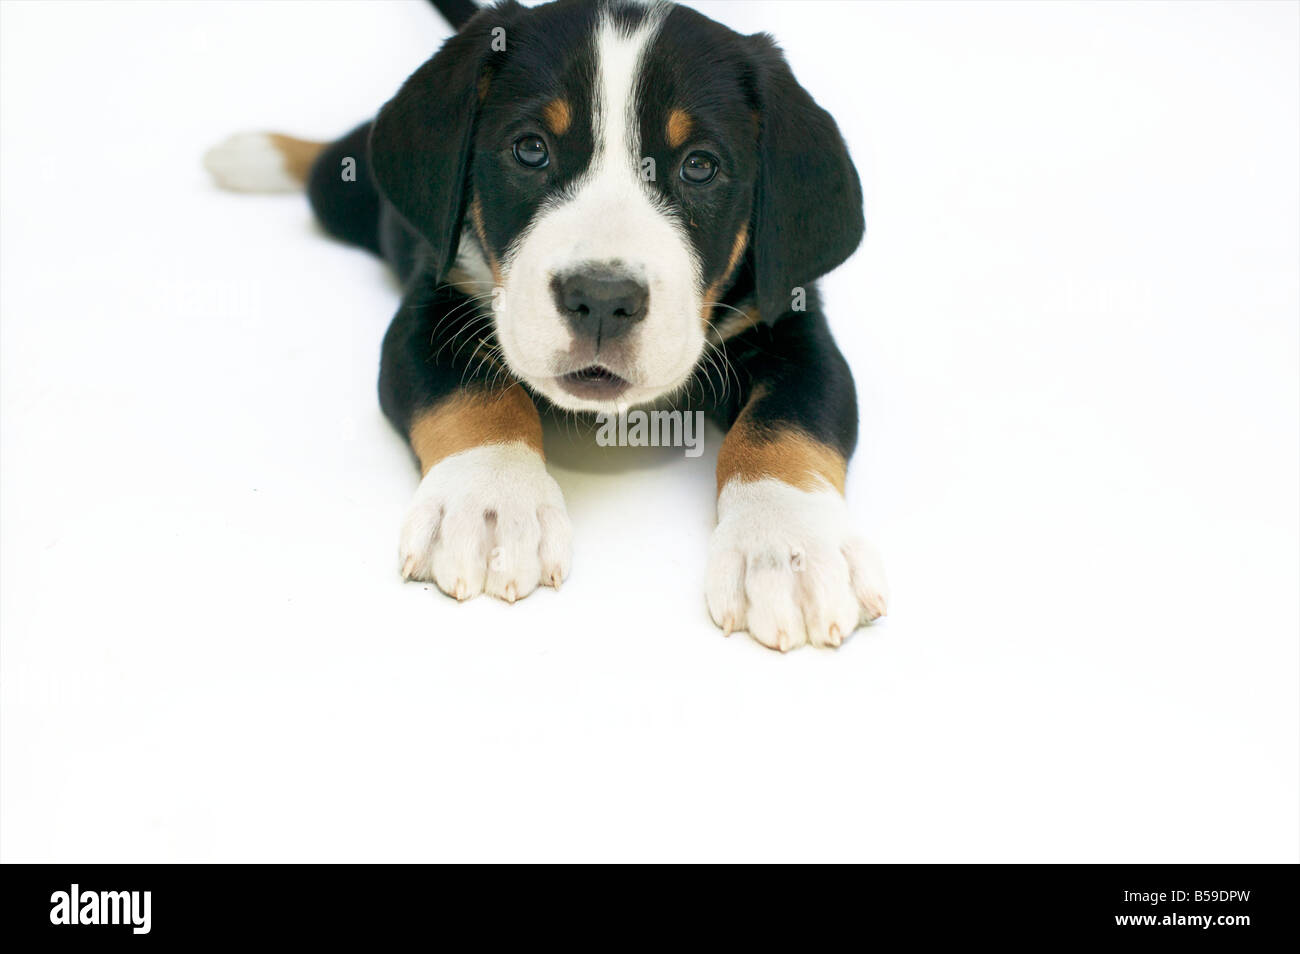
x=606 y=171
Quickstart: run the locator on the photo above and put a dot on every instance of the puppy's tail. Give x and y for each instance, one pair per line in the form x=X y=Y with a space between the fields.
x=262 y=162
x=274 y=162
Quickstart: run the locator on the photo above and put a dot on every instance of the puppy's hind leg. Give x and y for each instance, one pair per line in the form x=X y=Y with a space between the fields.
x=262 y=162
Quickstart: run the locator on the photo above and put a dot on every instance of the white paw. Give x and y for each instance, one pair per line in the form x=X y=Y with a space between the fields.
x=488 y=520
x=250 y=162
x=785 y=565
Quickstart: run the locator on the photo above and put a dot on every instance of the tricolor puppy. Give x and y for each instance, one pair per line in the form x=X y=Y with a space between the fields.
x=596 y=205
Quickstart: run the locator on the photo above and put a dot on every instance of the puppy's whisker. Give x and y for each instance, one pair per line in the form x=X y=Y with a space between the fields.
x=709 y=368
x=723 y=304
x=470 y=328
x=481 y=334
x=463 y=307
x=729 y=371
x=470 y=337
x=481 y=342
x=726 y=369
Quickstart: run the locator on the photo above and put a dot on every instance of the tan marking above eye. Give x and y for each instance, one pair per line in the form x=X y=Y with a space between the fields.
x=558 y=116
x=679 y=127
x=471 y=419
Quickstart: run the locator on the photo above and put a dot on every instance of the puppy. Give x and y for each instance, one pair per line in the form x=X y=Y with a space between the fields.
x=596 y=205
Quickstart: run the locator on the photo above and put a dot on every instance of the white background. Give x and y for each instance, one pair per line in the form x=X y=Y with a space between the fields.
x=1074 y=325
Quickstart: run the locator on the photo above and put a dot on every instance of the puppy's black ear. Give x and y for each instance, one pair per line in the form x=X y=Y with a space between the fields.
x=808 y=203
x=422 y=141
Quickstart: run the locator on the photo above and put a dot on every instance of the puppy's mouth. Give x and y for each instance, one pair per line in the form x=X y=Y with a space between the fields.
x=594 y=383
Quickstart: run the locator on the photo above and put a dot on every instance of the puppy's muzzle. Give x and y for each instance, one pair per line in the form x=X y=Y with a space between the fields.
x=600 y=304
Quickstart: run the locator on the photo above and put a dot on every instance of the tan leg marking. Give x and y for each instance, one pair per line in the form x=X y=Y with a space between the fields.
x=753 y=452
x=473 y=418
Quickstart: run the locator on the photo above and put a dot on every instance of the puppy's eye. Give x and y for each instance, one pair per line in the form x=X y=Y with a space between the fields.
x=530 y=151
x=699 y=168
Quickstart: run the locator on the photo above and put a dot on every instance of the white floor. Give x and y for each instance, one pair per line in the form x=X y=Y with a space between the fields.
x=1075 y=329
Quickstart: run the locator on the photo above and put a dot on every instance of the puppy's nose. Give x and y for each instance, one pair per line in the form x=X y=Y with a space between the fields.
x=600 y=303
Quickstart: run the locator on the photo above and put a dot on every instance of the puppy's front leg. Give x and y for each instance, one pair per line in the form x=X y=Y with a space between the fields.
x=784 y=562
x=487 y=517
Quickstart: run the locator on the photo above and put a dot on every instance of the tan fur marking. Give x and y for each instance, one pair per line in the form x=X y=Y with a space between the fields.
x=737 y=250
x=484 y=84
x=750 y=452
x=471 y=419
x=298 y=154
x=558 y=115
x=679 y=127
x=732 y=324
x=476 y=216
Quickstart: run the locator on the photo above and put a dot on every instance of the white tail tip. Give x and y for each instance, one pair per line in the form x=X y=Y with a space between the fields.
x=252 y=162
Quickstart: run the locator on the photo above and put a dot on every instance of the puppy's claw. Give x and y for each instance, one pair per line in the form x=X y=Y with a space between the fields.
x=462 y=591
x=408 y=567
x=785 y=566
x=728 y=625
x=511 y=593
x=555 y=581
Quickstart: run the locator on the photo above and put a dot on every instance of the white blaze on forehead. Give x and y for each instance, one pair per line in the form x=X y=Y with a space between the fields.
x=609 y=211
x=619 y=56
x=608 y=214
x=621 y=213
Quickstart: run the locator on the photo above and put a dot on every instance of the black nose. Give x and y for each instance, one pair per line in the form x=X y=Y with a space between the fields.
x=600 y=303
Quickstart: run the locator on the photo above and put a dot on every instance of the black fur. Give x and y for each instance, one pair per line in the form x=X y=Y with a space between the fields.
x=347 y=210
x=550 y=57
x=422 y=140
x=808 y=205
x=424 y=357
x=788 y=184
x=456 y=12
x=723 y=108
x=806 y=383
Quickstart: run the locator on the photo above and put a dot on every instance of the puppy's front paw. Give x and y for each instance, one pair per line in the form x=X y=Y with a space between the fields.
x=784 y=565
x=488 y=520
